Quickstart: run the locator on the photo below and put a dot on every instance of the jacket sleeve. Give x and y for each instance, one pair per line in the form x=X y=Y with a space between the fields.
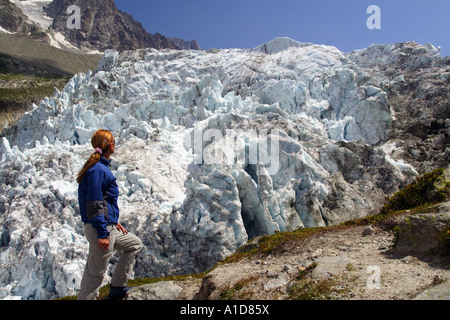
x=96 y=206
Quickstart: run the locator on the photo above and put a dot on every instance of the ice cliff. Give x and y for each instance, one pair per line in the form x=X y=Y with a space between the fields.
x=213 y=148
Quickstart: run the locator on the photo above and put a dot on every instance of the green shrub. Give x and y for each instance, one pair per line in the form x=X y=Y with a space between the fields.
x=422 y=191
x=445 y=238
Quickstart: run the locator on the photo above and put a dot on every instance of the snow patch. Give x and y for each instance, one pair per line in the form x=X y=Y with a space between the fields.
x=34 y=10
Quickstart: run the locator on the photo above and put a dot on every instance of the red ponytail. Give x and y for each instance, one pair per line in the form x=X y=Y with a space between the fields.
x=101 y=139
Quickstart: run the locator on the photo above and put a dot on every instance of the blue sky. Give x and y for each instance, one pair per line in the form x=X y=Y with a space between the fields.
x=249 y=23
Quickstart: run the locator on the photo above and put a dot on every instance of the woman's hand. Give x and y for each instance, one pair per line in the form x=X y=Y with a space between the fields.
x=121 y=229
x=103 y=244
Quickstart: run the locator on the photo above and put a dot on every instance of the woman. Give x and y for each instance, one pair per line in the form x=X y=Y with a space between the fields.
x=97 y=194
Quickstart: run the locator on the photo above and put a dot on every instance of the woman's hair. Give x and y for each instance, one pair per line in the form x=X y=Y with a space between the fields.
x=101 y=139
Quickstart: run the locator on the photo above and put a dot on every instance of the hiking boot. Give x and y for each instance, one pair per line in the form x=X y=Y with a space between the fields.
x=116 y=293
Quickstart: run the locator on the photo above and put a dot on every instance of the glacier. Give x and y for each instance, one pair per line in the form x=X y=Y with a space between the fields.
x=213 y=148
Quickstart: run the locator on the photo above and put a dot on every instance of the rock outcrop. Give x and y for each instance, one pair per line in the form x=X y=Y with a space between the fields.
x=418 y=90
x=13 y=20
x=186 y=45
x=105 y=27
x=421 y=234
x=166 y=290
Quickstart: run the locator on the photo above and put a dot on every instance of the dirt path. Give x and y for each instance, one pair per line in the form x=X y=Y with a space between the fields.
x=349 y=262
x=348 y=265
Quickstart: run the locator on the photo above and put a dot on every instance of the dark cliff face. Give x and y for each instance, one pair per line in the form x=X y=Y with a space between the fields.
x=186 y=45
x=11 y=17
x=103 y=27
x=13 y=20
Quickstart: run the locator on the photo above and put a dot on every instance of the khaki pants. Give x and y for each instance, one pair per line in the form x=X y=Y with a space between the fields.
x=97 y=262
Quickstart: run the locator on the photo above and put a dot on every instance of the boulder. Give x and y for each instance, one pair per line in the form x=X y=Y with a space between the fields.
x=164 y=290
x=438 y=292
x=420 y=234
x=330 y=266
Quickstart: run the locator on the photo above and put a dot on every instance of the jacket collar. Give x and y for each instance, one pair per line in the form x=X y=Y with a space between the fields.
x=105 y=161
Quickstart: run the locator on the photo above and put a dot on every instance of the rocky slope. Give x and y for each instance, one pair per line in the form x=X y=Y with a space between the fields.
x=215 y=148
x=21 y=55
x=30 y=70
x=104 y=27
x=360 y=262
x=19 y=92
x=35 y=41
x=13 y=20
x=418 y=92
x=186 y=45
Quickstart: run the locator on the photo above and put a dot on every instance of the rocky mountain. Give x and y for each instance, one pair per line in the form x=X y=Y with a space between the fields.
x=104 y=27
x=186 y=45
x=36 y=43
x=418 y=92
x=215 y=148
x=13 y=20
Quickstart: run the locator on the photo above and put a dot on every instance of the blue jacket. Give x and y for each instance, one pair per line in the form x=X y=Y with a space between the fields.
x=97 y=196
